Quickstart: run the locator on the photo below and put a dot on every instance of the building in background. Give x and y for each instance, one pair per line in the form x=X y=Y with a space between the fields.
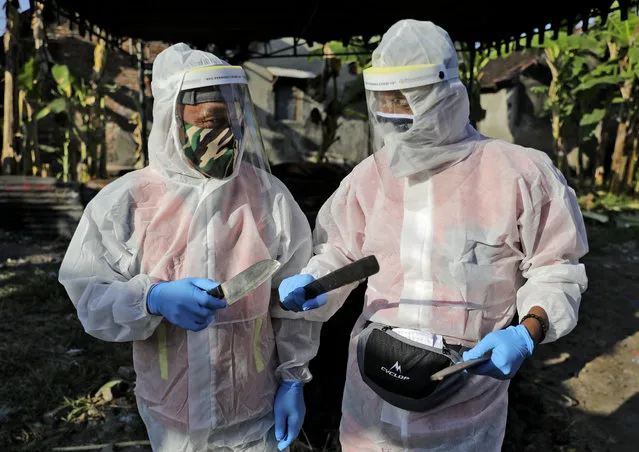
x=287 y=91
x=514 y=111
x=284 y=89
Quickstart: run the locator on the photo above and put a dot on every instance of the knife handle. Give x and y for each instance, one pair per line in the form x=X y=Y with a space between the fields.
x=353 y=272
x=216 y=292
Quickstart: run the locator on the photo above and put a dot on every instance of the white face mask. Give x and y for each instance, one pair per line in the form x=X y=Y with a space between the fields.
x=399 y=122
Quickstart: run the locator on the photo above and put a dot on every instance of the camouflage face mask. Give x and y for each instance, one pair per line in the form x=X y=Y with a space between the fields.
x=212 y=151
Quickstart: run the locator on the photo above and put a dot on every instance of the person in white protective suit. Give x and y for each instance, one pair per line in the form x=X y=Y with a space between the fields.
x=468 y=232
x=151 y=243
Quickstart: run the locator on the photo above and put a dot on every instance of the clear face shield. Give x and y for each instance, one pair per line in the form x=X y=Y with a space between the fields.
x=398 y=99
x=216 y=125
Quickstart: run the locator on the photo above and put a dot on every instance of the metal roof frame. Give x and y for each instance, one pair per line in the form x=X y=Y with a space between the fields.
x=234 y=27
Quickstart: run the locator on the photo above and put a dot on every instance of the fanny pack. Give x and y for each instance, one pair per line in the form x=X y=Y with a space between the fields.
x=397 y=364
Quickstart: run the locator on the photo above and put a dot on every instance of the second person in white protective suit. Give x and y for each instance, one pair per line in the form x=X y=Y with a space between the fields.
x=151 y=243
x=468 y=231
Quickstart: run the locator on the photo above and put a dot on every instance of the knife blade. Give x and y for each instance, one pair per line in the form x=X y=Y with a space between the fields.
x=459 y=367
x=246 y=281
x=353 y=272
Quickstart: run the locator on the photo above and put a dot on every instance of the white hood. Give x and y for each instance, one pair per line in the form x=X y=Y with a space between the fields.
x=165 y=151
x=441 y=134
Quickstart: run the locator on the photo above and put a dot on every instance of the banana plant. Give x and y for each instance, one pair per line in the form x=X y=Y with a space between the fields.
x=621 y=37
x=63 y=103
x=9 y=155
x=569 y=57
x=598 y=111
x=619 y=74
x=28 y=104
x=83 y=106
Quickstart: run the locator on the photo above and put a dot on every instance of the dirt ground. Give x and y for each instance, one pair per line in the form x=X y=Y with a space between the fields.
x=580 y=393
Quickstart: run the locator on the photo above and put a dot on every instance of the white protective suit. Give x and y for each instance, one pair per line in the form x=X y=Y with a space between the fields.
x=213 y=389
x=467 y=231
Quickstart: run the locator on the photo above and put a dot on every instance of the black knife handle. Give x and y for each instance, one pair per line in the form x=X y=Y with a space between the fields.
x=353 y=272
x=216 y=292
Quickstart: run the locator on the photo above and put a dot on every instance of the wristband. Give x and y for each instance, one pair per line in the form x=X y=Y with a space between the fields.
x=544 y=327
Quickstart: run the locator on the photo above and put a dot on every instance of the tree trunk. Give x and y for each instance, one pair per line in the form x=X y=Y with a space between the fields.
x=100 y=164
x=8 y=138
x=101 y=149
x=72 y=156
x=559 y=142
x=65 y=156
x=632 y=163
x=34 y=145
x=600 y=154
x=331 y=123
x=619 y=159
x=37 y=27
x=557 y=120
x=619 y=156
x=97 y=156
x=142 y=99
x=25 y=115
x=580 y=166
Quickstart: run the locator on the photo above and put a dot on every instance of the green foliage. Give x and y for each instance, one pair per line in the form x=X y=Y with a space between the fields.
x=55 y=106
x=357 y=50
x=84 y=109
x=620 y=37
x=63 y=79
x=604 y=201
x=26 y=76
x=593 y=117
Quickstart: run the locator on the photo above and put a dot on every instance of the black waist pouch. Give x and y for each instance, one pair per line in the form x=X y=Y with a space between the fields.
x=398 y=369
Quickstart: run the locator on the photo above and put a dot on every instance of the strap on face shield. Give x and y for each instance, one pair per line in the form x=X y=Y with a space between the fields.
x=200 y=95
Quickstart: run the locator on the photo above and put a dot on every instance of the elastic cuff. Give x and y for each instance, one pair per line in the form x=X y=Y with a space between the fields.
x=146 y=298
x=292 y=383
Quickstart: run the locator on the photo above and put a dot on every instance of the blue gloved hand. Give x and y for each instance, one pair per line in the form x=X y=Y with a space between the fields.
x=510 y=347
x=292 y=294
x=185 y=302
x=289 y=412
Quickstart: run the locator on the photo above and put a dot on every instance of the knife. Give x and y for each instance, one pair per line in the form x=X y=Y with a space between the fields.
x=353 y=272
x=455 y=368
x=245 y=282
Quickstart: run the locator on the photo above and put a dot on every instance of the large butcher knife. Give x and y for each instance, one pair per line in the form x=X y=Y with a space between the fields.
x=246 y=281
x=353 y=272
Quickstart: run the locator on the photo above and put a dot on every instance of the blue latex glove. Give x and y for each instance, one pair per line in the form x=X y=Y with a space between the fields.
x=289 y=412
x=292 y=294
x=185 y=302
x=510 y=348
